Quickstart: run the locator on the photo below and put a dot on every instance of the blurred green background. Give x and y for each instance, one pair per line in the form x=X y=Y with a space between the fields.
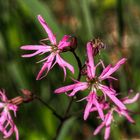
x=116 y=22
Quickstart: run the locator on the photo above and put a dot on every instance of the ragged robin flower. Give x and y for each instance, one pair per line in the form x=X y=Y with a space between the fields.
x=54 y=48
x=7 y=125
x=94 y=84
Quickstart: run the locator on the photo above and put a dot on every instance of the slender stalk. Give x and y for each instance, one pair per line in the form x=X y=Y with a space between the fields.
x=79 y=64
x=63 y=120
x=49 y=107
x=66 y=114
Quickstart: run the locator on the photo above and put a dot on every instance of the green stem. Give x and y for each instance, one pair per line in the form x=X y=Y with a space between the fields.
x=71 y=101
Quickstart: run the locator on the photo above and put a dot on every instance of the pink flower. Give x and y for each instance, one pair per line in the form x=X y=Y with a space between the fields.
x=7 y=125
x=109 y=116
x=94 y=83
x=54 y=49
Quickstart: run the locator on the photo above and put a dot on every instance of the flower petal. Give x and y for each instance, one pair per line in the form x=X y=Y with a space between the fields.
x=40 y=49
x=72 y=87
x=91 y=98
x=125 y=114
x=107 y=133
x=100 y=111
x=64 y=42
x=3 y=96
x=90 y=64
x=105 y=70
x=65 y=88
x=130 y=101
x=98 y=129
x=106 y=90
x=88 y=107
x=16 y=132
x=80 y=87
x=62 y=63
x=46 y=66
x=108 y=118
x=36 y=47
x=47 y=29
x=32 y=54
x=109 y=70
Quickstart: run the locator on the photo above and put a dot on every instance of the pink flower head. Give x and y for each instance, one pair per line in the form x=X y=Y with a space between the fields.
x=54 y=49
x=94 y=83
x=7 y=125
x=109 y=116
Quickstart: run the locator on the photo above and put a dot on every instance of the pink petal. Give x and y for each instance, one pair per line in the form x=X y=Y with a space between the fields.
x=88 y=108
x=90 y=64
x=47 y=29
x=130 y=101
x=75 y=87
x=64 y=42
x=62 y=63
x=9 y=132
x=44 y=59
x=36 y=47
x=3 y=96
x=91 y=98
x=106 y=90
x=80 y=87
x=16 y=132
x=46 y=66
x=124 y=113
x=98 y=129
x=65 y=88
x=108 y=118
x=3 y=117
x=107 y=72
x=2 y=105
x=32 y=54
x=93 y=109
x=100 y=111
x=107 y=133
x=40 y=49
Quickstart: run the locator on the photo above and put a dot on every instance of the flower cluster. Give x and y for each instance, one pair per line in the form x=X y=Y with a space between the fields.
x=101 y=98
x=94 y=83
x=7 y=125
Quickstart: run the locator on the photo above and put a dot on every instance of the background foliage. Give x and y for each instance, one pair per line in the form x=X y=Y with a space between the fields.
x=116 y=22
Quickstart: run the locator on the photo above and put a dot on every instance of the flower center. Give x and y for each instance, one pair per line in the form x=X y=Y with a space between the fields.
x=54 y=48
x=93 y=83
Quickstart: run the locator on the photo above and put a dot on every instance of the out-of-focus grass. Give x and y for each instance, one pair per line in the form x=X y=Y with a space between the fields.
x=85 y=19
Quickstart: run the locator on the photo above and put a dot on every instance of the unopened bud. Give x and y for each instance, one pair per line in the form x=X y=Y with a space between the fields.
x=73 y=43
x=97 y=46
x=28 y=96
